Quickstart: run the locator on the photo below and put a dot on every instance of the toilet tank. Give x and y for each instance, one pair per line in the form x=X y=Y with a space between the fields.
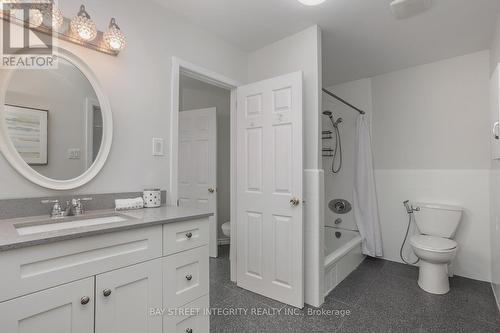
x=438 y=220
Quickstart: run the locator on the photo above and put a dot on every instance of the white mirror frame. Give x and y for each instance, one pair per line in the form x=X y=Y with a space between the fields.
x=16 y=161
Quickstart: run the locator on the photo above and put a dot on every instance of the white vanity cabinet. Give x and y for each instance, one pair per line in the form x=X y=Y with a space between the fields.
x=123 y=298
x=64 y=309
x=109 y=283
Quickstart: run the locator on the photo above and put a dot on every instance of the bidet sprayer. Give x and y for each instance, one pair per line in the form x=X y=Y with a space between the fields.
x=409 y=208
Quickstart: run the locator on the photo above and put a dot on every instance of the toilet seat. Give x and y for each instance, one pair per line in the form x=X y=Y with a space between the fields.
x=433 y=243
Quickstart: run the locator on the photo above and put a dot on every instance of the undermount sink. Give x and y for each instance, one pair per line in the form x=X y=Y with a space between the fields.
x=68 y=223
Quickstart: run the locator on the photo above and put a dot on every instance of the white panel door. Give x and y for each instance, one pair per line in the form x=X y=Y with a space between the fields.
x=65 y=309
x=198 y=165
x=495 y=113
x=125 y=296
x=269 y=189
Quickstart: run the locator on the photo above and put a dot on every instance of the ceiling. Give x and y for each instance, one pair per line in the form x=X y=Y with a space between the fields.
x=360 y=37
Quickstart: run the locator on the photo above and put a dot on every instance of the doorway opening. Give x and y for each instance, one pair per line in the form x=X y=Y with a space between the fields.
x=183 y=70
x=205 y=154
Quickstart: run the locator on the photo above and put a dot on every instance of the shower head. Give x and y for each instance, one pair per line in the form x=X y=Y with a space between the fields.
x=328 y=113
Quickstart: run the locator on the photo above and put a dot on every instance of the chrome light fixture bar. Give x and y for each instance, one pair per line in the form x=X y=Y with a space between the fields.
x=81 y=30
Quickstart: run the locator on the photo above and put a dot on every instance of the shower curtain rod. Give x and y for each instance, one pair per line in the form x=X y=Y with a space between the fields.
x=343 y=101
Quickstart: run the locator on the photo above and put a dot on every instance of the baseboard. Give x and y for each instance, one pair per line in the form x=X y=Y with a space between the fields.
x=224 y=241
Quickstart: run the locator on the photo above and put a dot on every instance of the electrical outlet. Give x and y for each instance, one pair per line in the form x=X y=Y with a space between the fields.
x=74 y=154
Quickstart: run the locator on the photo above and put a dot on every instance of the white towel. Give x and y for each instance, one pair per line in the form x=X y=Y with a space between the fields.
x=127 y=204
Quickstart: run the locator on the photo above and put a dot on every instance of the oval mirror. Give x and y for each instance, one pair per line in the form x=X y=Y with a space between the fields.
x=55 y=124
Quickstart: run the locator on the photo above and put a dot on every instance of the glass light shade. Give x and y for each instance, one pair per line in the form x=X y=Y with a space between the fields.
x=114 y=37
x=53 y=17
x=311 y=2
x=83 y=26
x=36 y=18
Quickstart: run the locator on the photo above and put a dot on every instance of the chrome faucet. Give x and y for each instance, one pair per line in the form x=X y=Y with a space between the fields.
x=57 y=212
x=73 y=208
x=77 y=207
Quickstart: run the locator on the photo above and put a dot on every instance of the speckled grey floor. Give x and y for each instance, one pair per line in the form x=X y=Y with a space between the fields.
x=381 y=296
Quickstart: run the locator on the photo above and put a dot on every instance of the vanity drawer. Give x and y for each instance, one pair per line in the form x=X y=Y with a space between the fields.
x=34 y=268
x=185 y=277
x=181 y=236
x=193 y=318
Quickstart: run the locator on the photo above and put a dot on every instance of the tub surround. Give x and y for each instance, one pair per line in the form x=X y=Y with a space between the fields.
x=10 y=239
x=343 y=254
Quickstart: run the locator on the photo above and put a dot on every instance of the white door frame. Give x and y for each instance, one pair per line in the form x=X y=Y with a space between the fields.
x=183 y=67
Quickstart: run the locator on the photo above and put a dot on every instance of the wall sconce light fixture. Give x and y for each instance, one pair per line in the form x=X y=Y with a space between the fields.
x=35 y=17
x=46 y=17
x=83 y=26
x=114 y=37
x=52 y=16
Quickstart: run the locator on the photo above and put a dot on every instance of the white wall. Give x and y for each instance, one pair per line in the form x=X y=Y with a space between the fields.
x=340 y=186
x=495 y=185
x=431 y=143
x=495 y=47
x=431 y=130
x=137 y=83
x=195 y=94
x=302 y=52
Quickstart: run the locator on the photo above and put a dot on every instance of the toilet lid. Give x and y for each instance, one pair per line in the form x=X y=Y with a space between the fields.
x=433 y=243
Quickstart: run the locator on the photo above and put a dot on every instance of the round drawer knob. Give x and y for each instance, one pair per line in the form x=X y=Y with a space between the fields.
x=85 y=300
x=189 y=330
x=189 y=235
x=106 y=292
x=189 y=277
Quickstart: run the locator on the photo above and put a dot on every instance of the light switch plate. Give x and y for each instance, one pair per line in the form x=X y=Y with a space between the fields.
x=158 y=147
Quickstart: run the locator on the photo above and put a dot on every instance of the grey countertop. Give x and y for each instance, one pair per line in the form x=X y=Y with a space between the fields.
x=10 y=238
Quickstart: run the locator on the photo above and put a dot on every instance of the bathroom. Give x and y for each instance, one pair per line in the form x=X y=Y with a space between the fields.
x=416 y=85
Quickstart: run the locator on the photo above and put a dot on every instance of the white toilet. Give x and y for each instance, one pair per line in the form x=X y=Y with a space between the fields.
x=226 y=228
x=435 y=246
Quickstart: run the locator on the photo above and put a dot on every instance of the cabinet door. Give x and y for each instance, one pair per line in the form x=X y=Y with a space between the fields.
x=124 y=298
x=64 y=309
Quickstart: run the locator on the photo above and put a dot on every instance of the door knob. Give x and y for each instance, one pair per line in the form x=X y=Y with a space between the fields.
x=189 y=330
x=189 y=277
x=211 y=189
x=294 y=202
x=189 y=235
x=106 y=292
x=85 y=300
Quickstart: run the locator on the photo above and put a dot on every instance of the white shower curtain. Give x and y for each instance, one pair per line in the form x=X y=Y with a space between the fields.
x=365 y=206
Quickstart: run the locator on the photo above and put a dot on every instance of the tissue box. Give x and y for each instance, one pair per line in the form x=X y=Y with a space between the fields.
x=152 y=198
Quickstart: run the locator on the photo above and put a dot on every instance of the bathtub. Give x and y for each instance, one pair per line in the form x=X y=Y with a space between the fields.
x=342 y=255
